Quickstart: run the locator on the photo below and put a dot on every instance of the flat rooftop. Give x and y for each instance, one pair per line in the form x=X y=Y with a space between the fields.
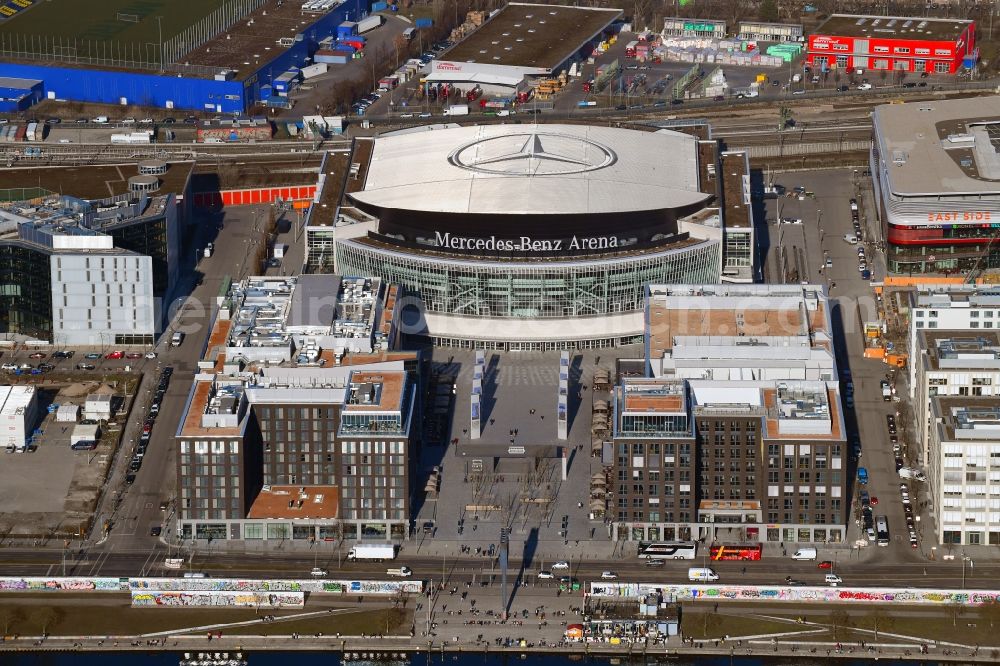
x=256 y=171
x=735 y=169
x=93 y=182
x=974 y=419
x=253 y=40
x=388 y=396
x=338 y=163
x=960 y=350
x=940 y=146
x=731 y=310
x=304 y=502
x=893 y=27
x=529 y=35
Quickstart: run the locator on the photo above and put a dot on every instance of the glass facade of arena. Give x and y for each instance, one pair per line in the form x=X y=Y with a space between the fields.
x=535 y=289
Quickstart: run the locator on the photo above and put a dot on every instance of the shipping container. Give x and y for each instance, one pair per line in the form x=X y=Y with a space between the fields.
x=424 y=22
x=132 y=138
x=314 y=70
x=29 y=135
x=332 y=57
x=379 y=6
x=370 y=23
x=457 y=110
x=21 y=131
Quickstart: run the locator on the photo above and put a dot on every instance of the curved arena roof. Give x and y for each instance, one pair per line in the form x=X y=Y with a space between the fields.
x=533 y=169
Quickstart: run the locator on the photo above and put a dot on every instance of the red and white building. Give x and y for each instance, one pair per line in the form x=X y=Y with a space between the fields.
x=896 y=43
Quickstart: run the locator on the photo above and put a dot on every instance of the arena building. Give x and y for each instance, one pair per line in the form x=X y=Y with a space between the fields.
x=535 y=237
x=937 y=182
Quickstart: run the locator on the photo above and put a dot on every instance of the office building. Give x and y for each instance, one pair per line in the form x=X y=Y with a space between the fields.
x=300 y=421
x=68 y=277
x=738 y=433
x=963 y=471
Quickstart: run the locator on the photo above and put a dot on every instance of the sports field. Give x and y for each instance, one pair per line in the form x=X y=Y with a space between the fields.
x=123 y=21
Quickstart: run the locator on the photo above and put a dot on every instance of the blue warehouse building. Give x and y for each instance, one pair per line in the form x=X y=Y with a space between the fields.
x=17 y=94
x=225 y=93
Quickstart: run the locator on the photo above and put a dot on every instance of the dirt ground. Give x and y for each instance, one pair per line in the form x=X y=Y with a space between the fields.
x=109 y=614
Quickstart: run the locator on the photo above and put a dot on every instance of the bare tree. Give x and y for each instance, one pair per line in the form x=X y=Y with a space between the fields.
x=880 y=620
x=46 y=617
x=10 y=616
x=990 y=612
x=840 y=623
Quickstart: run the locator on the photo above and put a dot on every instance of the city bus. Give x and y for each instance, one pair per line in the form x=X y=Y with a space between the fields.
x=882 y=531
x=736 y=552
x=668 y=550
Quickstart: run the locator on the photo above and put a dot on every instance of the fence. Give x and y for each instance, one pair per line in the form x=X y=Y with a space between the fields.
x=790 y=149
x=164 y=55
x=23 y=194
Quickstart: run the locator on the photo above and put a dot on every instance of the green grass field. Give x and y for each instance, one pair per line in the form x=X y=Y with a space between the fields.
x=98 y=20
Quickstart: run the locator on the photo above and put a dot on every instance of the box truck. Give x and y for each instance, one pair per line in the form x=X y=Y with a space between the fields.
x=457 y=110
x=702 y=575
x=370 y=23
x=372 y=551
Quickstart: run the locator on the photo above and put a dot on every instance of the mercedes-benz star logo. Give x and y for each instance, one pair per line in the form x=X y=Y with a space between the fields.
x=532 y=154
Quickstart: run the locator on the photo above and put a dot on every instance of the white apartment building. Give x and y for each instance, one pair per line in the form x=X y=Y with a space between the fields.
x=952 y=363
x=950 y=307
x=964 y=470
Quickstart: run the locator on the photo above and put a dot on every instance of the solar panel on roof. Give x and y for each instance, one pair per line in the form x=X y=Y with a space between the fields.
x=908 y=24
x=921 y=25
x=876 y=21
x=861 y=21
x=891 y=23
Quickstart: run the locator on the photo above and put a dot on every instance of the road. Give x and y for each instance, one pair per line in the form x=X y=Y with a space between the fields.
x=458 y=570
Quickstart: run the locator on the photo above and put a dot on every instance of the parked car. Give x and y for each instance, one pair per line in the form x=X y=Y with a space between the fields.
x=37 y=355
x=133 y=355
x=545 y=575
x=92 y=356
x=561 y=564
x=608 y=575
x=115 y=355
x=825 y=564
x=86 y=366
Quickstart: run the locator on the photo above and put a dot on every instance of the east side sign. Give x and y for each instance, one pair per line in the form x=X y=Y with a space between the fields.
x=524 y=243
x=959 y=216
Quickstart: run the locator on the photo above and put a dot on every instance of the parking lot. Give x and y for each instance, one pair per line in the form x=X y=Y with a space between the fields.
x=50 y=490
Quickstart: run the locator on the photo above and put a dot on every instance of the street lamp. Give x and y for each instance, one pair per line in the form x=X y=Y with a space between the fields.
x=972 y=565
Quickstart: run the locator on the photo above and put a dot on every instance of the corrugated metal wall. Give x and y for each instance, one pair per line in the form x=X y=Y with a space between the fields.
x=252 y=196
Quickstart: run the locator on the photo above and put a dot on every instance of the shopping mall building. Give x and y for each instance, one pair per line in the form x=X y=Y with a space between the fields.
x=541 y=236
x=936 y=171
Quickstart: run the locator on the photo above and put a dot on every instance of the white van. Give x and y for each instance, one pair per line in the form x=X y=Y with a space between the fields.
x=851 y=238
x=702 y=575
x=805 y=554
x=176 y=339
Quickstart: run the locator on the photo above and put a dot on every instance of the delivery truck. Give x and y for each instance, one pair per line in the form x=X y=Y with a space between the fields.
x=370 y=23
x=377 y=552
x=457 y=110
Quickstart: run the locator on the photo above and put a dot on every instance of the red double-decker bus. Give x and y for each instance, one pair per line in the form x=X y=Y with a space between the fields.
x=736 y=552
